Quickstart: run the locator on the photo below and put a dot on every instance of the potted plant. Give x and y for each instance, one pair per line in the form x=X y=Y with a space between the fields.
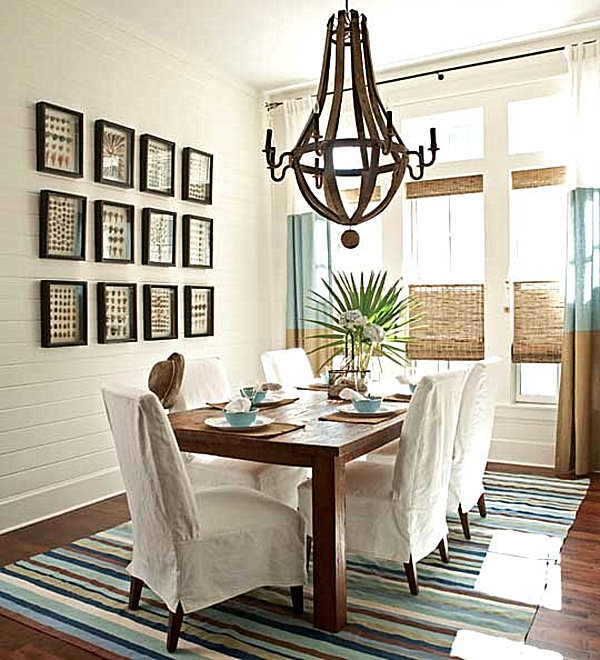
x=362 y=320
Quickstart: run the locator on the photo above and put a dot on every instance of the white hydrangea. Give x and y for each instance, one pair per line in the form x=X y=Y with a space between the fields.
x=374 y=333
x=352 y=319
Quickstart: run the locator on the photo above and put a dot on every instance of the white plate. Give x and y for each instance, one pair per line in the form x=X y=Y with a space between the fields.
x=222 y=424
x=383 y=411
x=271 y=398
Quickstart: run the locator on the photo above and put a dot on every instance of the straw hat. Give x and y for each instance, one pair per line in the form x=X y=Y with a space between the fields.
x=165 y=379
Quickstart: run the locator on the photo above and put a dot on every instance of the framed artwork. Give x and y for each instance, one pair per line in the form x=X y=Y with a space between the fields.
x=197 y=177
x=59 y=138
x=157 y=165
x=198 y=311
x=114 y=232
x=113 y=154
x=158 y=237
x=64 y=313
x=62 y=225
x=117 y=312
x=160 y=312
x=197 y=241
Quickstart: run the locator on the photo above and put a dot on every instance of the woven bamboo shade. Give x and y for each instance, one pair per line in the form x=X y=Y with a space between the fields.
x=451 y=324
x=544 y=176
x=457 y=185
x=538 y=322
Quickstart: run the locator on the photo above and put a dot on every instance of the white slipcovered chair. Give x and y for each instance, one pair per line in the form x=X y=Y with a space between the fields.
x=205 y=380
x=195 y=550
x=289 y=366
x=472 y=442
x=397 y=510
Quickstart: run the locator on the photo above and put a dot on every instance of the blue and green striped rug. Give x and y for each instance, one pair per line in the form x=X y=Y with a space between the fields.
x=493 y=585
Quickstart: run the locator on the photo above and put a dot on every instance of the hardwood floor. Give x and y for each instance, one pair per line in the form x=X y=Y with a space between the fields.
x=574 y=631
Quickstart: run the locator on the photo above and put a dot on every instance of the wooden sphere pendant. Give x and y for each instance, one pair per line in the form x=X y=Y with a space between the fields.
x=350 y=239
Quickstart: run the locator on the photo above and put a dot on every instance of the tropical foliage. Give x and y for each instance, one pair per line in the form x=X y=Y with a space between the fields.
x=361 y=318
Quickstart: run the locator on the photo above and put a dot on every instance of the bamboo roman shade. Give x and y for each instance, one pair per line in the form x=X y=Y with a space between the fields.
x=544 y=176
x=538 y=322
x=450 y=324
x=457 y=185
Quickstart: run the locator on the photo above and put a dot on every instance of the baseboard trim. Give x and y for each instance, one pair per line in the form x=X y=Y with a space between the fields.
x=522 y=452
x=44 y=503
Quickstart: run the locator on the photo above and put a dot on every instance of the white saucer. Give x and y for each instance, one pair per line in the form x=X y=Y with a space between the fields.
x=222 y=424
x=384 y=411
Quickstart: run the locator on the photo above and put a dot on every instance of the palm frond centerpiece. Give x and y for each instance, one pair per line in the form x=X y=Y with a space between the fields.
x=361 y=319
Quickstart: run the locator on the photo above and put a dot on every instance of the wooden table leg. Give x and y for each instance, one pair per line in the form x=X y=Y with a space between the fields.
x=329 y=543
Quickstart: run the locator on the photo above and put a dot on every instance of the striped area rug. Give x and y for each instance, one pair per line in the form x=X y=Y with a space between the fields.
x=79 y=592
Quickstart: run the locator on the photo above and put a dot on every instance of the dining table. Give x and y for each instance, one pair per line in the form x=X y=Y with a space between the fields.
x=323 y=445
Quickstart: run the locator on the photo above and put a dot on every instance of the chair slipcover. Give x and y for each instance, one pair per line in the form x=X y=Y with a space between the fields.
x=290 y=367
x=397 y=510
x=205 y=380
x=200 y=549
x=473 y=436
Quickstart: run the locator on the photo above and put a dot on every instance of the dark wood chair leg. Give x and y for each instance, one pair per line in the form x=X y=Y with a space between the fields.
x=175 y=619
x=464 y=521
x=481 y=506
x=411 y=575
x=297 y=599
x=443 y=548
x=308 y=551
x=135 y=591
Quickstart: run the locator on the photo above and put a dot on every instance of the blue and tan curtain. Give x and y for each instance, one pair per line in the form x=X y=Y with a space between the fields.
x=309 y=263
x=578 y=430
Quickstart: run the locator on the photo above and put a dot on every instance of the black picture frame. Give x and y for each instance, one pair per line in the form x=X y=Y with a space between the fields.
x=116 y=143
x=114 y=235
x=194 y=164
x=156 y=251
x=117 y=324
x=64 y=313
x=62 y=220
x=59 y=140
x=151 y=168
x=196 y=254
x=155 y=325
x=194 y=325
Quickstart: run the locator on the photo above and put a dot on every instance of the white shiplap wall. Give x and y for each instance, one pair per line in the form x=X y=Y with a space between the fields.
x=55 y=448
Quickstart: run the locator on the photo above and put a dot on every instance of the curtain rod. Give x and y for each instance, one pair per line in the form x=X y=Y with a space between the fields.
x=440 y=72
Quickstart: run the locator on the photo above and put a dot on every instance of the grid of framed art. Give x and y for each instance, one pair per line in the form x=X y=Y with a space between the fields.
x=63 y=221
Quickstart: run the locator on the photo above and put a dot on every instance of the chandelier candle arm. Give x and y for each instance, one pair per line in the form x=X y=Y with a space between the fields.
x=377 y=145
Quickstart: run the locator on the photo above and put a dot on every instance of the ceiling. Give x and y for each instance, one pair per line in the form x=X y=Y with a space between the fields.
x=270 y=44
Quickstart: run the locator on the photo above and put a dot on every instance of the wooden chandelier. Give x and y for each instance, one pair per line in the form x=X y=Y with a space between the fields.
x=377 y=142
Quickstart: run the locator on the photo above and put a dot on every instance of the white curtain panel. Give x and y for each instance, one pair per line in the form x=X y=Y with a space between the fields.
x=296 y=113
x=584 y=67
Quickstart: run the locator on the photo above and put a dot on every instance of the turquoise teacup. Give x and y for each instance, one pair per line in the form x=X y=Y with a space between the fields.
x=259 y=397
x=370 y=405
x=241 y=418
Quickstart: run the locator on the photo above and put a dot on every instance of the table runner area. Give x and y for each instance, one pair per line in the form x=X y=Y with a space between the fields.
x=79 y=592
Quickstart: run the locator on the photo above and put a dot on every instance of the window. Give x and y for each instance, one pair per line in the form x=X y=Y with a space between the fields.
x=538 y=236
x=366 y=257
x=538 y=125
x=459 y=134
x=447 y=239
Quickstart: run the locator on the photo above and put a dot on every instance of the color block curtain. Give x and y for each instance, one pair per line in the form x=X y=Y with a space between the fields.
x=578 y=430
x=308 y=246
